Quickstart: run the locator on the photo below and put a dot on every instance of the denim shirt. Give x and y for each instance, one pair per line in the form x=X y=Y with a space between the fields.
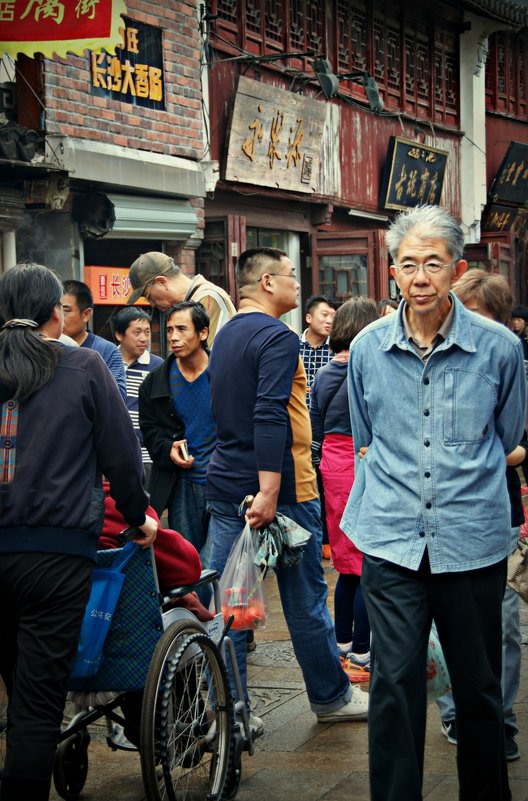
x=434 y=475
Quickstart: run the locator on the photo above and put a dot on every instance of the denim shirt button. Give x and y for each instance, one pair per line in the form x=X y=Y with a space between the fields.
x=426 y=413
x=428 y=505
x=426 y=443
x=426 y=381
x=427 y=474
x=422 y=533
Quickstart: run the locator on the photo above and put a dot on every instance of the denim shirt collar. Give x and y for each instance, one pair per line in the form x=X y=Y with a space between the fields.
x=460 y=333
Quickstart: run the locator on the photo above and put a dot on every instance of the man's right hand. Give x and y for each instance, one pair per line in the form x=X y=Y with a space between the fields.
x=262 y=510
x=149 y=530
x=177 y=456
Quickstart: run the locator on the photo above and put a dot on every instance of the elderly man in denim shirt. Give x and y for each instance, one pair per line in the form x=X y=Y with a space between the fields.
x=437 y=396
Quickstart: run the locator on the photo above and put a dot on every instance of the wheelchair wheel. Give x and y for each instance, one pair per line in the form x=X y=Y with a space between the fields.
x=70 y=768
x=3 y=723
x=186 y=738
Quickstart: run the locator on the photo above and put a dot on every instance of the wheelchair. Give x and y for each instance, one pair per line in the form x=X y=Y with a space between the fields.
x=192 y=732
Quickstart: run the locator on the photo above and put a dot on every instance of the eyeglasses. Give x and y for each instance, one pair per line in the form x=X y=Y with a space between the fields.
x=430 y=267
x=281 y=275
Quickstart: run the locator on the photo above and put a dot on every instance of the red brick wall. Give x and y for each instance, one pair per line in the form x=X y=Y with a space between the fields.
x=72 y=111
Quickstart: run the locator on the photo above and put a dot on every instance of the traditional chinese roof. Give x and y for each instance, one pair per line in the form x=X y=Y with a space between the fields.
x=514 y=13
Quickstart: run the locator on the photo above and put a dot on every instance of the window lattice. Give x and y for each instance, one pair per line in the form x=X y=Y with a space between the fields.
x=352 y=33
x=416 y=67
x=273 y=21
x=387 y=58
x=226 y=10
x=253 y=17
x=506 y=74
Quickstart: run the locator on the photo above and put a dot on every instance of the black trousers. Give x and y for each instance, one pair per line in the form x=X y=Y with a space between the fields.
x=42 y=602
x=466 y=607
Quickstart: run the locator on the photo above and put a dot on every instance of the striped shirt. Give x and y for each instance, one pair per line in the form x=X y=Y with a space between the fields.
x=135 y=374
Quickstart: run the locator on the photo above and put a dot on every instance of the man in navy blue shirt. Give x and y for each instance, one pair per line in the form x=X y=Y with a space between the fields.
x=77 y=305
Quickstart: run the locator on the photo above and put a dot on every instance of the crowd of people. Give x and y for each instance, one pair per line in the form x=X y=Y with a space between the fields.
x=393 y=432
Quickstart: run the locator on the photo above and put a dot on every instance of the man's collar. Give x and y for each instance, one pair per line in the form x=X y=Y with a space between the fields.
x=459 y=331
x=143 y=359
x=442 y=332
x=304 y=339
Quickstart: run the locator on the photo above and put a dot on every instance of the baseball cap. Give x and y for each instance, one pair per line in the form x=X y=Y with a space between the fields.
x=145 y=268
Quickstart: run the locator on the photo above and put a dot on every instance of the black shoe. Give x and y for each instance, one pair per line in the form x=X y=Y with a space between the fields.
x=250 y=641
x=512 y=750
x=449 y=730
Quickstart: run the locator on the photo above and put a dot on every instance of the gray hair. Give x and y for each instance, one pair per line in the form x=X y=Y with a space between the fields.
x=427 y=222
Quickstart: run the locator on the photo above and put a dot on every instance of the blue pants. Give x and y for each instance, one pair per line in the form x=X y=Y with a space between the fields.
x=350 y=613
x=466 y=607
x=187 y=513
x=303 y=593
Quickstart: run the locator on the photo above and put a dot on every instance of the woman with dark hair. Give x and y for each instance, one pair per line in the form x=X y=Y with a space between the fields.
x=62 y=424
x=332 y=435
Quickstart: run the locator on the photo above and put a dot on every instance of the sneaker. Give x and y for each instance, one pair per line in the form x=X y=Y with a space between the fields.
x=362 y=660
x=118 y=741
x=355 y=673
x=256 y=727
x=512 y=749
x=448 y=729
x=356 y=709
x=327 y=552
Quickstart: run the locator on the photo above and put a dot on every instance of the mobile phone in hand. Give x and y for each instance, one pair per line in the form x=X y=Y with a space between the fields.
x=184 y=450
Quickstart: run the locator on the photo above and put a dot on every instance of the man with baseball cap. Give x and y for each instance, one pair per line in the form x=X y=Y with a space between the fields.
x=155 y=277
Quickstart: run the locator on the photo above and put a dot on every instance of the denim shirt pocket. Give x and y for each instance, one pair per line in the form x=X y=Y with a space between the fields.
x=469 y=403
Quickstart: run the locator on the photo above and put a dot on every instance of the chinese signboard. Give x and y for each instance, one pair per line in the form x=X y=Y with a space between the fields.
x=511 y=182
x=275 y=137
x=135 y=73
x=110 y=285
x=57 y=28
x=499 y=218
x=414 y=174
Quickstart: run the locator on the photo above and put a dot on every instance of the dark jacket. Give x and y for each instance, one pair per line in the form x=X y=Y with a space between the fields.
x=160 y=426
x=64 y=436
x=513 y=481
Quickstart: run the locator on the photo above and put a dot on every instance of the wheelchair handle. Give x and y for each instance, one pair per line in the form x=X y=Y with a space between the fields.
x=128 y=534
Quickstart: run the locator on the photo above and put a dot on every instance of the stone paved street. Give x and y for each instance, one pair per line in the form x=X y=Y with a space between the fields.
x=297 y=757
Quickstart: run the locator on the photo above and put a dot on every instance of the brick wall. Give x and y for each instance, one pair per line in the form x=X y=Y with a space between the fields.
x=71 y=110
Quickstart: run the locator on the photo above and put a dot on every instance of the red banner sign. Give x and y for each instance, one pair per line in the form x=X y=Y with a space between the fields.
x=58 y=27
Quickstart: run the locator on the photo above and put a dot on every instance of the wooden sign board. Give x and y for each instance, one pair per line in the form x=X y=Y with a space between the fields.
x=498 y=218
x=511 y=181
x=413 y=176
x=275 y=137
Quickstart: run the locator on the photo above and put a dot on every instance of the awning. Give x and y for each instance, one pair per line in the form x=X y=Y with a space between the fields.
x=152 y=218
x=106 y=166
x=514 y=12
x=60 y=28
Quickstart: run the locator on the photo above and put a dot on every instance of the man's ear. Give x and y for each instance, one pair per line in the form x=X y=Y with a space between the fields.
x=87 y=313
x=394 y=273
x=460 y=268
x=308 y=318
x=118 y=336
x=204 y=333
